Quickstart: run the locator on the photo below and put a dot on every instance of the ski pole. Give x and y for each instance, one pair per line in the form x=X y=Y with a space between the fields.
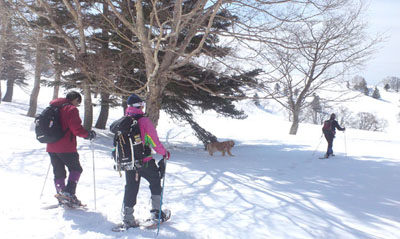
x=345 y=144
x=47 y=174
x=162 y=194
x=94 y=174
x=320 y=140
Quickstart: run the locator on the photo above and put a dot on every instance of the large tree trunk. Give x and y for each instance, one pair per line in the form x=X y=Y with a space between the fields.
x=103 y=116
x=57 y=81
x=87 y=98
x=5 y=20
x=38 y=72
x=9 y=92
x=154 y=99
x=295 y=123
x=57 y=77
x=105 y=103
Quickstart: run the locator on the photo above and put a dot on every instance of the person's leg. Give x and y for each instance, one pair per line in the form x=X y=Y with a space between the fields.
x=327 y=140
x=130 y=195
x=71 y=160
x=330 y=145
x=150 y=172
x=59 y=172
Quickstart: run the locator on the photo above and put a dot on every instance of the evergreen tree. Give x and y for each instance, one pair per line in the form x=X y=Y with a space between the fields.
x=376 y=94
x=316 y=108
x=277 y=88
x=256 y=100
x=12 y=68
x=366 y=91
x=387 y=87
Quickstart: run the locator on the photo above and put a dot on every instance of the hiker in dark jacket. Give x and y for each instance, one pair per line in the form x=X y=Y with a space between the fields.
x=329 y=131
x=64 y=153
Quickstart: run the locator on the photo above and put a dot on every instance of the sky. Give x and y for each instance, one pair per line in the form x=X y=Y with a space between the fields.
x=384 y=17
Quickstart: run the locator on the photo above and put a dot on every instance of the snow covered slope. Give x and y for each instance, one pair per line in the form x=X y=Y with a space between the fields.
x=274 y=187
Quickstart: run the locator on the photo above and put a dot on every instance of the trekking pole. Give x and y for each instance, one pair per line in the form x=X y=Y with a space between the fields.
x=320 y=140
x=94 y=174
x=47 y=174
x=345 y=144
x=162 y=194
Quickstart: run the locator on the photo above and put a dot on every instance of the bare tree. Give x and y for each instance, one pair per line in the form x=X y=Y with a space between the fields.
x=166 y=36
x=38 y=73
x=368 y=121
x=12 y=68
x=157 y=33
x=393 y=82
x=76 y=40
x=57 y=72
x=5 y=21
x=315 y=54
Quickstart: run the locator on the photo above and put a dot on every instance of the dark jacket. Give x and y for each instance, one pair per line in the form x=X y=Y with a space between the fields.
x=334 y=125
x=71 y=125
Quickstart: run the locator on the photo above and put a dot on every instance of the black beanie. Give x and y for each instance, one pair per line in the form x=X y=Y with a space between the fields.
x=135 y=101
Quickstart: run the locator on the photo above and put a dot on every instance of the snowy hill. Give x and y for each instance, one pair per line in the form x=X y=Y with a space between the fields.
x=274 y=187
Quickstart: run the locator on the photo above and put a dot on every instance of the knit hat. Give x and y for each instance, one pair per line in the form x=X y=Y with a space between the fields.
x=135 y=101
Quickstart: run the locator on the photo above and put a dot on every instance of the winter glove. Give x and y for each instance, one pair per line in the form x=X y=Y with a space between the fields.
x=91 y=135
x=167 y=155
x=161 y=168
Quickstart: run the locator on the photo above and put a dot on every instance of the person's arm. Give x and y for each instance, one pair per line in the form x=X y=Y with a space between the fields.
x=151 y=136
x=75 y=123
x=337 y=126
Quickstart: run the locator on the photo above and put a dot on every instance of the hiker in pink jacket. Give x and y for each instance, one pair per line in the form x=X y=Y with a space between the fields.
x=150 y=171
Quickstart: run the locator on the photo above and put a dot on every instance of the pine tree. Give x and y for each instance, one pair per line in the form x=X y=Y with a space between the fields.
x=12 y=68
x=366 y=91
x=277 y=88
x=316 y=108
x=376 y=94
x=387 y=87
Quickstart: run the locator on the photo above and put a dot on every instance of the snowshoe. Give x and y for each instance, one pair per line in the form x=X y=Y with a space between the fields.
x=67 y=200
x=152 y=222
x=125 y=226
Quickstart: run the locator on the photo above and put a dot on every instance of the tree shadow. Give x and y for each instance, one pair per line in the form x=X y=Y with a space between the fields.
x=87 y=222
x=285 y=183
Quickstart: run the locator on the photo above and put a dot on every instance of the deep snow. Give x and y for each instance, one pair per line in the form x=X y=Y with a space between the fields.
x=274 y=187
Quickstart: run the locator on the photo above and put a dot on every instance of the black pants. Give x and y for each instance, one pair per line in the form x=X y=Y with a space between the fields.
x=71 y=161
x=329 y=138
x=149 y=171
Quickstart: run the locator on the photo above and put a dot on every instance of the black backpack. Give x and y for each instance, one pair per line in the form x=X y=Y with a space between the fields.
x=48 y=127
x=129 y=149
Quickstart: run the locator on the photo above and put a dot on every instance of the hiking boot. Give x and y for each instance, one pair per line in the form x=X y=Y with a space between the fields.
x=75 y=202
x=128 y=218
x=63 y=198
x=155 y=214
x=68 y=199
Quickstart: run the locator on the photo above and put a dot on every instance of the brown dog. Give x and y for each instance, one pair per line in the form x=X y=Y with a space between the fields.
x=223 y=147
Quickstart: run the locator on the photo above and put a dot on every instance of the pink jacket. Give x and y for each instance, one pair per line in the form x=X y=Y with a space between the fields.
x=147 y=131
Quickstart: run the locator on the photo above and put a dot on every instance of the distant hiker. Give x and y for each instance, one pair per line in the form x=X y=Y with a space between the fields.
x=64 y=153
x=146 y=168
x=329 y=130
